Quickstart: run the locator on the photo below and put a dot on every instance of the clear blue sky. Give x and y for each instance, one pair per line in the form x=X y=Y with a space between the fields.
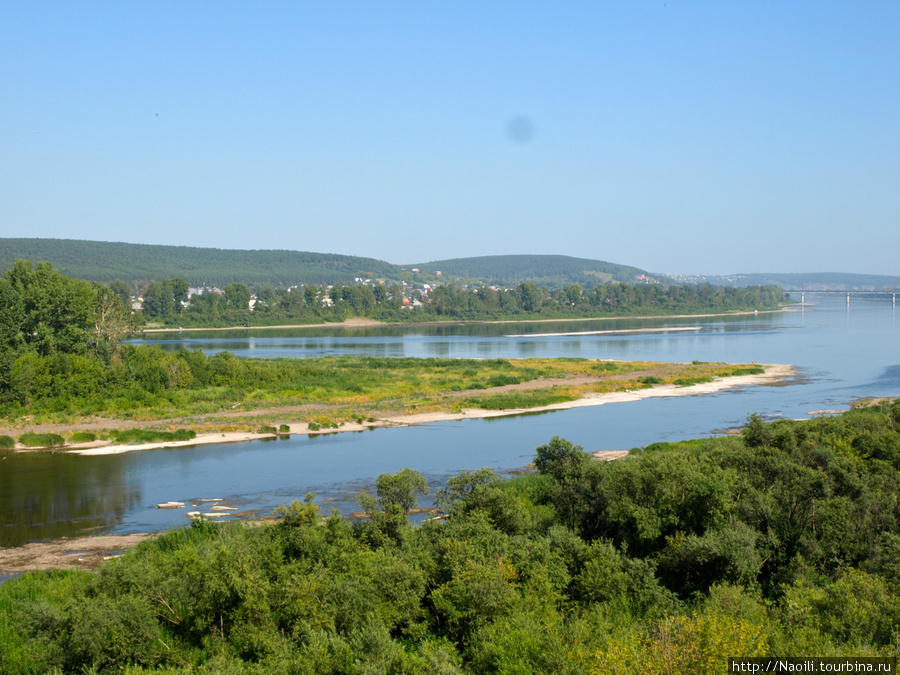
x=683 y=137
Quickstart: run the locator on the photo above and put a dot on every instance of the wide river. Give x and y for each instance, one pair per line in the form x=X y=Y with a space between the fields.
x=843 y=352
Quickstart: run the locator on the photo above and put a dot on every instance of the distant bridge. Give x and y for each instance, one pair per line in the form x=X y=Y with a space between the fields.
x=829 y=291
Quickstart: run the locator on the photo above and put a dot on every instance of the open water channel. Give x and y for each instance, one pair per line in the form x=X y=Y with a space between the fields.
x=842 y=351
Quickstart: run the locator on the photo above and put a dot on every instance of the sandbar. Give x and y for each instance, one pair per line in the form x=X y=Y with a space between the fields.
x=774 y=373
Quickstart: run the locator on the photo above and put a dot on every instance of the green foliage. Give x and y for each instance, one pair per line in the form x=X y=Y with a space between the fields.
x=108 y=261
x=33 y=440
x=7 y=442
x=83 y=437
x=669 y=560
x=140 y=436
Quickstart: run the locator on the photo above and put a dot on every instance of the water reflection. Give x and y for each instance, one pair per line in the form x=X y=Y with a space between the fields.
x=51 y=495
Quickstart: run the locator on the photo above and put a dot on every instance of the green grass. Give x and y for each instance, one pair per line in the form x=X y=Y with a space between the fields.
x=515 y=400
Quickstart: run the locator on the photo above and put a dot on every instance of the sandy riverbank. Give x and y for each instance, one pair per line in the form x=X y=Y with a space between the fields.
x=347 y=323
x=773 y=373
x=362 y=323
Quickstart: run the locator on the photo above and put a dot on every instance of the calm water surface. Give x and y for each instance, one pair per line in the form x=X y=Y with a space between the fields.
x=842 y=353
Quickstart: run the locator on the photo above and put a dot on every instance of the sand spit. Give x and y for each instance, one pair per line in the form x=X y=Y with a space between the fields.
x=621 y=331
x=773 y=373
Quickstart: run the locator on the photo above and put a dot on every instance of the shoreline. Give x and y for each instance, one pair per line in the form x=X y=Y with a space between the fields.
x=773 y=373
x=358 y=322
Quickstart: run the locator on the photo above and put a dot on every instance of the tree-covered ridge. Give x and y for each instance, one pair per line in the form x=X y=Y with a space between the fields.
x=549 y=270
x=135 y=263
x=782 y=542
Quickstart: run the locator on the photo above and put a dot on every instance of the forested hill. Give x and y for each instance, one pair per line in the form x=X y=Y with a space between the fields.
x=551 y=270
x=105 y=261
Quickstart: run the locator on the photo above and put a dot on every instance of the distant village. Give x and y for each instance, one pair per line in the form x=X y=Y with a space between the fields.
x=414 y=294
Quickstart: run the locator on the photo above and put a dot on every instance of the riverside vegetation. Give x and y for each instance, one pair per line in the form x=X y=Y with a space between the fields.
x=312 y=304
x=62 y=360
x=784 y=540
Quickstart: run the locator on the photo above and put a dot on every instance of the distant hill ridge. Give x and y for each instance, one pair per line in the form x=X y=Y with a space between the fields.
x=139 y=263
x=106 y=261
x=509 y=270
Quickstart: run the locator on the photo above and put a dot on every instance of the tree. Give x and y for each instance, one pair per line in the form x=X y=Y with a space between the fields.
x=530 y=296
x=400 y=489
x=112 y=321
x=159 y=300
x=237 y=297
x=56 y=312
x=572 y=294
x=559 y=457
x=123 y=290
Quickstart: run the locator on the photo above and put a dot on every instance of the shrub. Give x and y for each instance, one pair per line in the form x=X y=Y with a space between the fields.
x=284 y=429
x=138 y=436
x=267 y=430
x=7 y=442
x=83 y=437
x=33 y=440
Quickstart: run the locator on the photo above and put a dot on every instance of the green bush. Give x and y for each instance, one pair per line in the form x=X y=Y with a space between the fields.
x=139 y=436
x=519 y=400
x=33 y=440
x=689 y=381
x=284 y=429
x=7 y=442
x=267 y=430
x=83 y=437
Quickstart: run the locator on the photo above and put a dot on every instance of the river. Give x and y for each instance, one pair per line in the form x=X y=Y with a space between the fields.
x=842 y=353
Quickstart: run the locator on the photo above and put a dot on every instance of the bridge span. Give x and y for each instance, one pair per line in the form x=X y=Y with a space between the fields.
x=829 y=291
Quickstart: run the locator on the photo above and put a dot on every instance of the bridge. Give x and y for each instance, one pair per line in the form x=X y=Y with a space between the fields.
x=829 y=291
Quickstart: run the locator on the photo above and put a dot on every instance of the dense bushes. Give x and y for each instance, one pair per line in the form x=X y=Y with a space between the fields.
x=668 y=561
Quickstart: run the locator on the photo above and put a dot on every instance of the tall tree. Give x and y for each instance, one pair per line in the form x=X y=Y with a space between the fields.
x=56 y=311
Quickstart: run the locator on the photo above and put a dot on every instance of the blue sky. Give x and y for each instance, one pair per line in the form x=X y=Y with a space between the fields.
x=680 y=137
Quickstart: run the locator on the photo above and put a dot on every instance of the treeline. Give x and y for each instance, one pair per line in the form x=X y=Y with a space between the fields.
x=313 y=304
x=783 y=541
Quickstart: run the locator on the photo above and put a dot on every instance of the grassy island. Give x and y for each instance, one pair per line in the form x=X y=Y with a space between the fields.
x=149 y=387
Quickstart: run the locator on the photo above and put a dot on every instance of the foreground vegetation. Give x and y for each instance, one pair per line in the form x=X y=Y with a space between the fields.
x=783 y=541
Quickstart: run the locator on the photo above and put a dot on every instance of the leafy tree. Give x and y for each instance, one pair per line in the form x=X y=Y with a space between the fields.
x=530 y=296
x=123 y=290
x=560 y=458
x=237 y=297
x=55 y=313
